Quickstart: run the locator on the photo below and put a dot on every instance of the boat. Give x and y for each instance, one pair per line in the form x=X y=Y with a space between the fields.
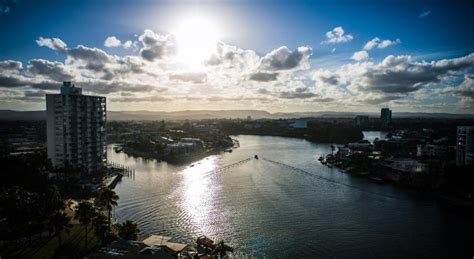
x=256 y=156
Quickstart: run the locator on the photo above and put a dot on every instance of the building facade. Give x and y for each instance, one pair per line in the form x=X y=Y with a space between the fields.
x=76 y=129
x=465 y=146
x=386 y=117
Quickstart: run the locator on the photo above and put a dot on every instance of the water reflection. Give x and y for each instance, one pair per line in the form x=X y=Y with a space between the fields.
x=197 y=193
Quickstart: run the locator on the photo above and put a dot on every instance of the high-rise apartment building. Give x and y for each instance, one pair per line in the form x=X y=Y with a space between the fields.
x=76 y=129
x=386 y=116
x=465 y=145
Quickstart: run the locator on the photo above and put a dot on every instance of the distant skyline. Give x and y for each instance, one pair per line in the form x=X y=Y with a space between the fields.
x=278 y=56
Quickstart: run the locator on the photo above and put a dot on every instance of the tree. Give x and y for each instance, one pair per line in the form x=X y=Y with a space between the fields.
x=221 y=248
x=108 y=199
x=128 y=230
x=59 y=222
x=85 y=213
x=101 y=228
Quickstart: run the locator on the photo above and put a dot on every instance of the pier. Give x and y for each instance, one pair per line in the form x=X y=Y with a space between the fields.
x=120 y=171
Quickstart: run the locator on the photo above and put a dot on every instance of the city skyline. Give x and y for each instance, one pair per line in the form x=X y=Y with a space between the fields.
x=291 y=57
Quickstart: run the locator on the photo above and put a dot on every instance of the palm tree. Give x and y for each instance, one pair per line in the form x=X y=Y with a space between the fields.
x=107 y=199
x=128 y=230
x=85 y=213
x=101 y=226
x=59 y=222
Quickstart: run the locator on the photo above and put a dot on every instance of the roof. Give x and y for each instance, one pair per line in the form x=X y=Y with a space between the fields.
x=156 y=240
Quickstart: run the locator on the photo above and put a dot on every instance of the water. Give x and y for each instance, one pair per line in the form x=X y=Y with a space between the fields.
x=265 y=209
x=372 y=135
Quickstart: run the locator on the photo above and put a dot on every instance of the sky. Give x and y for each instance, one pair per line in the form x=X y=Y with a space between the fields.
x=279 y=56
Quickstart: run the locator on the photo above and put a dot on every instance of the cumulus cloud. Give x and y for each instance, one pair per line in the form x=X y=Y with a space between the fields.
x=112 y=42
x=360 y=55
x=193 y=77
x=280 y=78
x=10 y=65
x=393 y=78
x=285 y=59
x=465 y=91
x=298 y=93
x=147 y=99
x=232 y=57
x=337 y=35
x=263 y=76
x=52 y=43
x=49 y=69
x=381 y=44
x=157 y=46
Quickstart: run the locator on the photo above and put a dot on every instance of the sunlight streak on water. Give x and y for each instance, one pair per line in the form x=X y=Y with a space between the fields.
x=198 y=194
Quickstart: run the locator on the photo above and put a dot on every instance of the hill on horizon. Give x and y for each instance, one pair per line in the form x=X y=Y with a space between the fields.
x=225 y=114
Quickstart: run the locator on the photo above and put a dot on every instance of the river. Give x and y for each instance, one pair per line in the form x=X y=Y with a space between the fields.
x=264 y=208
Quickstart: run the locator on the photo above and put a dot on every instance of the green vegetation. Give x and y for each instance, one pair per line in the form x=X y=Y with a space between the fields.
x=128 y=230
x=317 y=131
x=107 y=199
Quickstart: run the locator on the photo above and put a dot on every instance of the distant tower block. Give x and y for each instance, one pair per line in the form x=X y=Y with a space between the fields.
x=465 y=146
x=386 y=117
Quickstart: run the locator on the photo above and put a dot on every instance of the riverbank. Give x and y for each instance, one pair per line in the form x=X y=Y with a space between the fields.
x=180 y=159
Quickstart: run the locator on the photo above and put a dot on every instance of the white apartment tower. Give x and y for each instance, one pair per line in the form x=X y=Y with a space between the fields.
x=76 y=129
x=465 y=145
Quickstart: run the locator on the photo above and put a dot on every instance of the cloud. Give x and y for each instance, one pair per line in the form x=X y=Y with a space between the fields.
x=10 y=65
x=193 y=77
x=337 y=35
x=157 y=46
x=279 y=79
x=147 y=99
x=236 y=99
x=50 y=70
x=360 y=55
x=464 y=91
x=399 y=74
x=112 y=42
x=6 y=6
x=298 y=93
x=381 y=44
x=263 y=76
x=392 y=78
x=232 y=57
x=424 y=13
x=52 y=43
x=107 y=87
x=284 y=59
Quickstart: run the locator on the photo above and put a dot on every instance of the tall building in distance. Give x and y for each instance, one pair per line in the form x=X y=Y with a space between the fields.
x=76 y=129
x=386 y=117
x=465 y=145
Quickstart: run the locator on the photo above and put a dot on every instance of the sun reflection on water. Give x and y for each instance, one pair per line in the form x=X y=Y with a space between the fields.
x=198 y=194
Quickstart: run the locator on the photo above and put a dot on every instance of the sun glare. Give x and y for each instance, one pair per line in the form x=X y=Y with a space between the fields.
x=197 y=38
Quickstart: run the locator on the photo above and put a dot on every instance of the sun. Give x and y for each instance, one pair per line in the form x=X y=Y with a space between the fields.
x=196 y=38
